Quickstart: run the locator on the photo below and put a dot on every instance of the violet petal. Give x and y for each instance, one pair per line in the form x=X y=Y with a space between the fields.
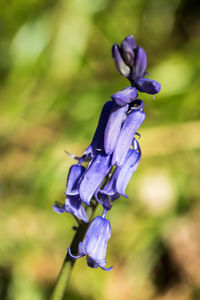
x=133 y=121
x=148 y=86
x=123 y=69
x=125 y=96
x=113 y=127
x=75 y=173
x=98 y=168
x=97 y=143
x=140 y=64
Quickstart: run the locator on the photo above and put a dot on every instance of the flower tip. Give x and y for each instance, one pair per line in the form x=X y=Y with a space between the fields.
x=123 y=69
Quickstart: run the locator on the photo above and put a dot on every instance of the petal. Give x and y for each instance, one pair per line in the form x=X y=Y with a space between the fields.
x=116 y=118
x=74 y=206
x=75 y=173
x=133 y=121
x=148 y=86
x=140 y=64
x=131 y=41
x=98 y=139
x=59 y=209
x=125 y=96
x=127 y=170
x=99 y=251
x=92 y=235
x=123 y=69
x=127 y=47
x=93 y=176
x=103 y=198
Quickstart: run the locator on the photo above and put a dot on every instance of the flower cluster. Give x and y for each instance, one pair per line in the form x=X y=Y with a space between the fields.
x=113 y=155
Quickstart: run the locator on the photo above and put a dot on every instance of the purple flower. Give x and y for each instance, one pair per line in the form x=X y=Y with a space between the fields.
x=73 y=205
x=117 y=184
x=97 y=169
x=133 y=121
x=113 y=127
x=148 y=86
x=97 y=143
x=131 y=61
x=125 y=96
x=94 y=245
x=75 y=173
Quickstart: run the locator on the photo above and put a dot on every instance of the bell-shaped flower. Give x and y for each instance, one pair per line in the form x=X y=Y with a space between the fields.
x=128 y=46
x=97 y=143
x=133 y=121
x=73 y=205
x=116 y=186
x=148 y=86
x=113 y=127
x=97 y=169
x=125 y=96
x=94 y=245
x=75 y=173
x=123 y=69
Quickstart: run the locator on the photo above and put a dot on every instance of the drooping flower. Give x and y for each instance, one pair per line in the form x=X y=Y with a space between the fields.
x=73 y=205
x=75 y=173
x=116 y=186
x=113 y=127
x=97 y=169
x=133 y=121
x=94 y=245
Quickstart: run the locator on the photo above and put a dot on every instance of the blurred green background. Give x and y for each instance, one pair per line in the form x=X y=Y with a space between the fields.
x=56 y=72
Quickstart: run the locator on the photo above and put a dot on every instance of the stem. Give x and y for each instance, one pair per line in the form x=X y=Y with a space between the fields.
x=63 y=277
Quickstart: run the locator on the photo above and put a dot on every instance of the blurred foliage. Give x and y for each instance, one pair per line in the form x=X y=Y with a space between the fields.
x=56 y=72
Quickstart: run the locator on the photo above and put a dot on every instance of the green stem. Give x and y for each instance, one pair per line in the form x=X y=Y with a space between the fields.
x=63 y=278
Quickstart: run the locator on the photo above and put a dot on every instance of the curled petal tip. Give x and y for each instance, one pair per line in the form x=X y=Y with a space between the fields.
x=107 y=269
x=72 y=255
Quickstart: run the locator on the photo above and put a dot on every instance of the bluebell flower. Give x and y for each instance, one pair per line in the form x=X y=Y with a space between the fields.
x=113 y=127
x=133 y=121
x=97 y=143
x=131 y=61
x=94 y=245
x=73 y=205
x=97 y=169
x=75 y=173
x=125 y=96
x=116 y=186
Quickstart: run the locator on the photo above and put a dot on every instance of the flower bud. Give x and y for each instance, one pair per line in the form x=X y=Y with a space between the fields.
x=148 y=86
x=125 y=96
x=123 y=69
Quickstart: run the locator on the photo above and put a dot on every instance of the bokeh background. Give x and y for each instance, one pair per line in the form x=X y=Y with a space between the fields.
x=56 y=72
